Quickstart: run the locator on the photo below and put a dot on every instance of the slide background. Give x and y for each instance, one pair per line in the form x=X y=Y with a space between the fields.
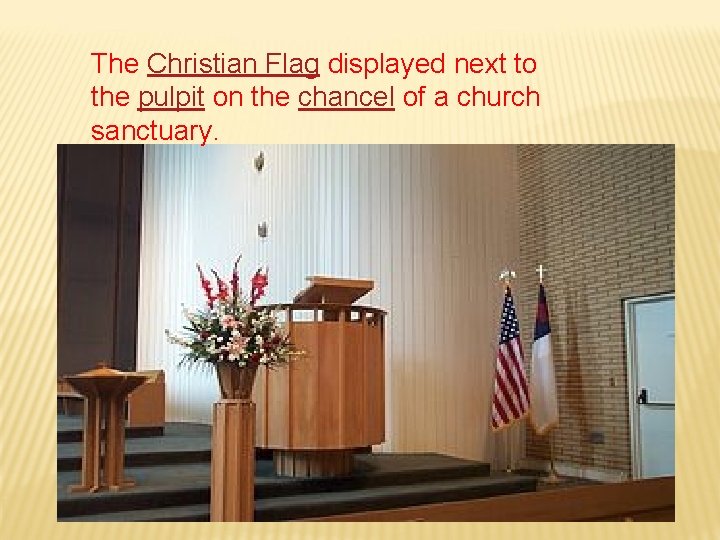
x=617 y=72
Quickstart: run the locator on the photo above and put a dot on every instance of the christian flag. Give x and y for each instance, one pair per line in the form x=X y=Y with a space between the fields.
x=543 y=394
x=510 y=397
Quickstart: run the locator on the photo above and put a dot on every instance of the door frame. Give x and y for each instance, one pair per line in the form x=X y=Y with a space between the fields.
x=629 y=305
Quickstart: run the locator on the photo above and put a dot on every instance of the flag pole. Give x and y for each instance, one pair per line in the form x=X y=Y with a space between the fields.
x=552 y=477
x=508 y=451
x=506 y=276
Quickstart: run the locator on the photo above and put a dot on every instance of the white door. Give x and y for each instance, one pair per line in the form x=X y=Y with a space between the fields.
x=650 y=334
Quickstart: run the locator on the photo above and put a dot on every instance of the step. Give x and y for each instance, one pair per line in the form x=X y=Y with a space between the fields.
x=143 y=459
x=190 y=512
x=70 y=429
x=324 y=503
x=388 y=497
x=189 y=483
x=157 y=487
x=131 y=432
x=181 y=443
x=372 y=470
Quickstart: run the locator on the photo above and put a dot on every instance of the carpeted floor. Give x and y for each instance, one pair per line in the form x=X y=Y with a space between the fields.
x=173 y=481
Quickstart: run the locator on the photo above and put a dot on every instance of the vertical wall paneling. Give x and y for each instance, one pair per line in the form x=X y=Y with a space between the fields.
x=99 y=206
x=432 y=225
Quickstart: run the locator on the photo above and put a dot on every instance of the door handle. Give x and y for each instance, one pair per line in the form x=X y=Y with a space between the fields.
x=643 y=399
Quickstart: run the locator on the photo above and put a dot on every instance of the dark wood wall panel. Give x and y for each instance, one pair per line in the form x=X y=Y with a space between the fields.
x=99 y=200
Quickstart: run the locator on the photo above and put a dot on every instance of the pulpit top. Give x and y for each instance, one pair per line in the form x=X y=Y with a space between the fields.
x=333 y=290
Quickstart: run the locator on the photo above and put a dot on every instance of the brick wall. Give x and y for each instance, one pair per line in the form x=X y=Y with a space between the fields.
x=601 y=219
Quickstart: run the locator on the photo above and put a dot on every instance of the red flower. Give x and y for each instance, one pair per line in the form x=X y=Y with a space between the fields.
x=259 y=282
x=207 y=287
x=222 y=287
x=235 y=280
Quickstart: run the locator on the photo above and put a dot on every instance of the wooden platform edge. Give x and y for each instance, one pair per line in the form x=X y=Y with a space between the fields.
x=635 y=500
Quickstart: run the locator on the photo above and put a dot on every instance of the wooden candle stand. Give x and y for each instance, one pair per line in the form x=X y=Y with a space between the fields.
x=105 y=391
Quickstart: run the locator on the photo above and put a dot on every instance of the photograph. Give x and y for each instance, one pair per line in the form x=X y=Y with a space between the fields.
x=365 y=332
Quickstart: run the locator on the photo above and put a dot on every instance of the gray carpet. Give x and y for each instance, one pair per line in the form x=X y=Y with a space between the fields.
x=173 y=482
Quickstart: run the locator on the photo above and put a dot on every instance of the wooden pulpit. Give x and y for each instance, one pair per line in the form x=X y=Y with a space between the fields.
x=318 y=410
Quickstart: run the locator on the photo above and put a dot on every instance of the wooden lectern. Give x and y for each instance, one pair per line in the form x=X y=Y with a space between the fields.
x=316 y=411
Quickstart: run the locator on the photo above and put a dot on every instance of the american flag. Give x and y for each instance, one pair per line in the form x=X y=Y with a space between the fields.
x=510 y=398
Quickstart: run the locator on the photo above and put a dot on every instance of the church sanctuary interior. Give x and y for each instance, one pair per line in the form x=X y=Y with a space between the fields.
x=366 y=333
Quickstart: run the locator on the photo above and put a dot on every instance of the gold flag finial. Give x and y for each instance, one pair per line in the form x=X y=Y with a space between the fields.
x=506 y=276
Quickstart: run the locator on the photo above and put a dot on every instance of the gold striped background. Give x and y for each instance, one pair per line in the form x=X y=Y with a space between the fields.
x=609 y=83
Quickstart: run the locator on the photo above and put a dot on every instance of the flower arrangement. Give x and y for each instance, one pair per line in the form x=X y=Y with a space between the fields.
x=231 y=328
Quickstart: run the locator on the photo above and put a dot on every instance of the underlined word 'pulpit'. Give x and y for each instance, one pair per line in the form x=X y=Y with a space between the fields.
x=325 y=405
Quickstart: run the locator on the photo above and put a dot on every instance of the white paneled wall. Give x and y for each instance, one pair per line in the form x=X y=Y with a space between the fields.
x=432 y=225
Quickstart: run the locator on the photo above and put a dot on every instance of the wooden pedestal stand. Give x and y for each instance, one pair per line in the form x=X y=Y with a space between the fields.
x=105 y=391
x=232 y=472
